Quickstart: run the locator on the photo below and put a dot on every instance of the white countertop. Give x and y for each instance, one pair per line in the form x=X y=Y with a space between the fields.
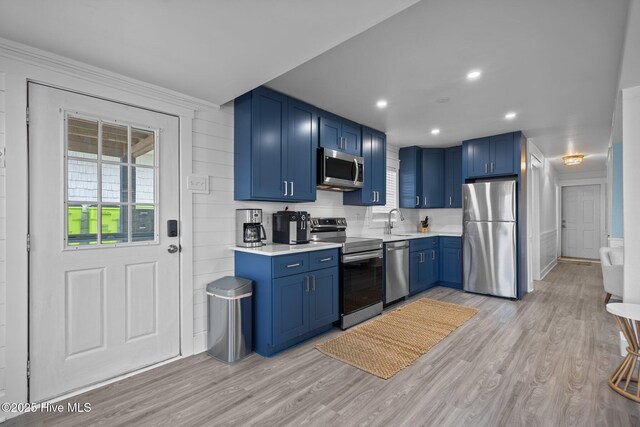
x=409 y=236
x=276 y=249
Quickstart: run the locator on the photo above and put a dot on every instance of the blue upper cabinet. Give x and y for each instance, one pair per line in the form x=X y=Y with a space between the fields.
x=337 y=133
x=432 y=178
x=410 y=177
x=491 y=156
x=374 y=152
x=453 y=177
x=274 y=148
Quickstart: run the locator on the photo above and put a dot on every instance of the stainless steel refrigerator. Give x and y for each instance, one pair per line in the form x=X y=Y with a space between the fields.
x=490 y=238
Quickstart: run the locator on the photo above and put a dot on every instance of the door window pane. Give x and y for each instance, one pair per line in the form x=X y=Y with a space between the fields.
x=114 y=183
x=82 y=181
x=114 y=143
x=142 y=217
x=82 y=138
x=143 y=189
x=114 y=224
x=81 y=225
x=143 y=143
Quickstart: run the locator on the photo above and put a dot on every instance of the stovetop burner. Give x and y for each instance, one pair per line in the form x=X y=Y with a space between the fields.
x=333 y=230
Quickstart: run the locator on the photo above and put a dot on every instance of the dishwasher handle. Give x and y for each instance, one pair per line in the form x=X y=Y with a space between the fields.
x=395 y=246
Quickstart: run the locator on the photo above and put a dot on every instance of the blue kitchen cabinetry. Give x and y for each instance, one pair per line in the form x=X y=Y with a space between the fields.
x=274 y=147
x=491 y=156
x=337 y=133
x=424 y=264
x=451 y=262
x=295 y=297
x=374 y=152
x=432 y=178
x=453 y=177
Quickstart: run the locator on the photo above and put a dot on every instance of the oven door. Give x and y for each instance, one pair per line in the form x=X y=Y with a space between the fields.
x=362 y=280
x=340 y=170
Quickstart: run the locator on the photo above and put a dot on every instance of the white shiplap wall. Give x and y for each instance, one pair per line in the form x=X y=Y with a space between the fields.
x=214 y=213
x=2 y=244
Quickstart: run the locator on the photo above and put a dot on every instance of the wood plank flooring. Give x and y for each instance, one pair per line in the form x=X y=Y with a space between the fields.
x=543 y=361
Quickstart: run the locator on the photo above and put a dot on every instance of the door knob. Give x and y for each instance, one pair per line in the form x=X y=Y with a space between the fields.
x=172 y=249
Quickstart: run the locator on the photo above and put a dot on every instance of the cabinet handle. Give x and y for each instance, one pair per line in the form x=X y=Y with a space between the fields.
x=492 y=167
x=449 y=200
x=326 y=259
x=486 y=168
x=307 y=285
x=286 y=188
x=291 y=189
x=417 y=200
x=297 y=264
x=313 y=283
x=433 y=255
x=425 y=201
x=421 y=254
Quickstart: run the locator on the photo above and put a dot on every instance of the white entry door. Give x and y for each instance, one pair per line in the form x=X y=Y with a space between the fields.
x=581 y=221
x=104 y=286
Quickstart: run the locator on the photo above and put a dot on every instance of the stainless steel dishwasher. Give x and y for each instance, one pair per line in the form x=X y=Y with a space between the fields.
x=396 y=266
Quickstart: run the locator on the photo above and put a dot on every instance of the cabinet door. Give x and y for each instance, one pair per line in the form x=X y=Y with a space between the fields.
x=301 y=151
x=453 y=177
x=433 y=266
x=352 y=133
x=478 y=157
x=323 y=298
x=290 y=307
x=432 y=178
x=415 y=272
x=451 y=265
x=410 y=177
x=269 y=138
x=330 y=133
x=367 y=196
x=379 y=166
x=502 y=162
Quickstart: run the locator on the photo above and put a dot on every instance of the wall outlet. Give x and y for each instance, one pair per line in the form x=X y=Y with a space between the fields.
x=198 y=184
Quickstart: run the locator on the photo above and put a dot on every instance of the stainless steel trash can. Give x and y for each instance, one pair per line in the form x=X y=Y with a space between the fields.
x=230 y=304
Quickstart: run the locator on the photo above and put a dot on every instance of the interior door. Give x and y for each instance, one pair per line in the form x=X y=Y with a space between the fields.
x=581 y=221
x=104 y=280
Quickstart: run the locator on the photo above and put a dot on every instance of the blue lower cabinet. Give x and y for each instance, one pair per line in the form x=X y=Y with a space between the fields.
x=417 y=280
x=451 y=262
x=290 y=307
x=323 y=298
x=292 y=300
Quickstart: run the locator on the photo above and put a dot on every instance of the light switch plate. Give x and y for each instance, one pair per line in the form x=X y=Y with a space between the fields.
x=198 y=184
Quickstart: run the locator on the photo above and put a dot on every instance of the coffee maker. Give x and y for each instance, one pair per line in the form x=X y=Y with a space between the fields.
x=290 y=227
x=249 y=229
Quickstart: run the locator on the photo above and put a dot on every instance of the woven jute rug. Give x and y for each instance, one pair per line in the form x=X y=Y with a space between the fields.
x=389 y=343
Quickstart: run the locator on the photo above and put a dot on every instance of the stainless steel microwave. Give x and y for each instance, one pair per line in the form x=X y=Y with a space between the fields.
x=339 y=171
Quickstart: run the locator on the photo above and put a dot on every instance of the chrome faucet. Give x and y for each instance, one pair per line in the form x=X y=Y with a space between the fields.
x=388 y=226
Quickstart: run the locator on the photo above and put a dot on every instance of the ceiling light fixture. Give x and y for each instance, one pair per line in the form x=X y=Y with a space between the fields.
x=382 y=103
x=435 y=131
x=474 y=74
x=572 y=159
x=510 y=116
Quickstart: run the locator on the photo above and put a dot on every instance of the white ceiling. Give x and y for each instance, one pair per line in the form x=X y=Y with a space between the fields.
x=212 y=50
x=555 y=63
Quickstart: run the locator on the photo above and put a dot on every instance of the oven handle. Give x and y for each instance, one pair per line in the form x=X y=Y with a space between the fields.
x=361 y=257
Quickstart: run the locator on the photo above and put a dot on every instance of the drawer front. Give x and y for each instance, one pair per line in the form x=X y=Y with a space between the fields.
x=422 y=244
x=451 y=242
x=286 y=265
x=323 y=259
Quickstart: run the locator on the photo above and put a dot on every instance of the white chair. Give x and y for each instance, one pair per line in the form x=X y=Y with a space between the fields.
x=612 y=260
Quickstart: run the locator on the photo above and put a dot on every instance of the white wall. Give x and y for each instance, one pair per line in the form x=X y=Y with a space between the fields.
x=2 y=246
x=631 y=193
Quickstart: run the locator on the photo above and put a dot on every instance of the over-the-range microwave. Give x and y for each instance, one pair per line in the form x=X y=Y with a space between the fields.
x=339 y=171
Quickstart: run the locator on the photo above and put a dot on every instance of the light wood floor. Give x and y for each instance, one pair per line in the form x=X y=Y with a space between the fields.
x=543 y=361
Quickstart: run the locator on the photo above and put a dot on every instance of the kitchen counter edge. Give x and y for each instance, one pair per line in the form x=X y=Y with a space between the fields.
x=277 y=249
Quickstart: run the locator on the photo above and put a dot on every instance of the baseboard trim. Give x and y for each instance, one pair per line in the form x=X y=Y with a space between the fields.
x=548 y=268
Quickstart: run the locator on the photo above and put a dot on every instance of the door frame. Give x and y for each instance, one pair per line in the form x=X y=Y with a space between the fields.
x=19 y=65
x=602 y=182
x=534 y=223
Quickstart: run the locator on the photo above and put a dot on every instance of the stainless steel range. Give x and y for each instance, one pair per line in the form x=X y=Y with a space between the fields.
x=361 y=270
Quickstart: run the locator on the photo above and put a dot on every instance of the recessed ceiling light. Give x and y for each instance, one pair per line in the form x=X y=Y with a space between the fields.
x=474 y=74
x=510 y=116
x=435 y=131
x=381 y=103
